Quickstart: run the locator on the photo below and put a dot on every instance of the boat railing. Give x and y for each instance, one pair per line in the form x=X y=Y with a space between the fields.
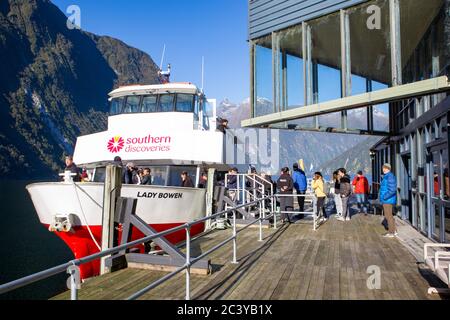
x=72 y=267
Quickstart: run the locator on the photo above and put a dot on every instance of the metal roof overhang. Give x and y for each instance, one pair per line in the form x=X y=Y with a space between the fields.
x=419 y=88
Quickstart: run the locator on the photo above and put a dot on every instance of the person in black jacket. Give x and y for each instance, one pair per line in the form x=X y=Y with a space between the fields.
x=186 y=181
x=146 y=177
x=286 y=186
x=72 y=167
x=345 y=190
x=203 y=181
x=118 y=162
x=232 y=183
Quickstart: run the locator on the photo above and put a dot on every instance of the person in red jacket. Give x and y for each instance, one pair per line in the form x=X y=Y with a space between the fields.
x=361 y=191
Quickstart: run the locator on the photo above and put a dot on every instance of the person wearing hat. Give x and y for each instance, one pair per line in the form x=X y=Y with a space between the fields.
x=286 y=186
x=388 y=198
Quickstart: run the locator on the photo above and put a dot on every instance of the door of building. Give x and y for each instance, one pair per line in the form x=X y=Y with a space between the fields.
x=440 y=193
x=406 y=190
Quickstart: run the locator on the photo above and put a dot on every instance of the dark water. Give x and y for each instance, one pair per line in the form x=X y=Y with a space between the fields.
x=26 y=246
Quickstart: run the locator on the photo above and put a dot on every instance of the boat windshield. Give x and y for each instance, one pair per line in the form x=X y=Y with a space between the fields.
x=161 y=175
x=168 y=102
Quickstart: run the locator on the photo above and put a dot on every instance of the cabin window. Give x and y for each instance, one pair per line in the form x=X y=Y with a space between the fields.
x=132 y=104
x=116 y=106
x=175 y=175
x=185 y=103
x=166 y=102
x=149 y=104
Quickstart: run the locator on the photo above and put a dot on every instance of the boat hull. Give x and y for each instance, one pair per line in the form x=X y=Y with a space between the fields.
x=162 y=208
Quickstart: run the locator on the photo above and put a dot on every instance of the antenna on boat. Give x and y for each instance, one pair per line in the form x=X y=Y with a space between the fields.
x=164 y=76
x=203 y=71
x=162 y=58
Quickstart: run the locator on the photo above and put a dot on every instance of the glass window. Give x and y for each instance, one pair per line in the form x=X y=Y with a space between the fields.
x=370 y=41
x=149 y=104
x=166 y=102
x=132 y=104
x=445 y=179
x=116 y=105
x=99 y=174
x=447 y=224
x=436 y=173
x=185 y=102
x=263 y=76
x=159 y=176
x=326 y=64
x=175 y=175
x=380 y=111
x=419 y=33
x=291 y=63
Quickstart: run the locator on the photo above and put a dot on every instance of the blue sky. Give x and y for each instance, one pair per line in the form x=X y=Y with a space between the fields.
x=215 y=29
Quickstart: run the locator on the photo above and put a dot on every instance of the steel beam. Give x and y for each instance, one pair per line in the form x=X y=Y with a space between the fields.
x=416 y=89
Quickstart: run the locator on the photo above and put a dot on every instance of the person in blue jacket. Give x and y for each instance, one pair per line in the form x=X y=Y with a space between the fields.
x=388 y=198
x=300 y=185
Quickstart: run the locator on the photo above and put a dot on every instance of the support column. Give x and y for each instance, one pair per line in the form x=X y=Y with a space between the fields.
x=112 y=189
x=346 y=69
x=276 y=71
x=396 y=45
x=252 y=78
x=369 y=108
x=307 y=64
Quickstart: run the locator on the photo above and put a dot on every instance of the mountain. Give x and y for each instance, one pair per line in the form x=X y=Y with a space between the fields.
x=325 y=152
x=354 y=159
x=54 y=85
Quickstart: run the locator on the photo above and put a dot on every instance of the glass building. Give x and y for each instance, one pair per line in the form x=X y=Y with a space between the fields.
x=375 y=67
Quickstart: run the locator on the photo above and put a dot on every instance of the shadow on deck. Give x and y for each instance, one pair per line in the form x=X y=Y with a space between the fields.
x=293 y=262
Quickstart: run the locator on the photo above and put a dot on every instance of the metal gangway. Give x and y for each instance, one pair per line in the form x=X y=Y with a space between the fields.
x=254 y=187
x=249 y=188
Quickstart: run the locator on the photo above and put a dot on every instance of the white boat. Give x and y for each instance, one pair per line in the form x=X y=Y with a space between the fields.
x=169 y=128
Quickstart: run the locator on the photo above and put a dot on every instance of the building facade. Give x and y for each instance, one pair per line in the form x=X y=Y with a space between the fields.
x=375 y=67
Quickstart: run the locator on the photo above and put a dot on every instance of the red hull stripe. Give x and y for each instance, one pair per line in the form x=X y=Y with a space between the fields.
x=80 y=242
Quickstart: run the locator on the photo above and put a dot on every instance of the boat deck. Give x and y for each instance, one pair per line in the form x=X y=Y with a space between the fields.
x=293 y=262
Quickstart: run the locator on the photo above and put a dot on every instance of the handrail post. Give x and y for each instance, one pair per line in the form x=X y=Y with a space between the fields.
x=263 y=195
x=74 y=281
x=275 y=214
x=188 y=263
x=234 y=239
x=260 y=222
x=315 y=213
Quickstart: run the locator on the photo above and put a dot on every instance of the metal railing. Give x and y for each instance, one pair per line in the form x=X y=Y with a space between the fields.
x=312 y=213
x=256 y=191
x=72 y=266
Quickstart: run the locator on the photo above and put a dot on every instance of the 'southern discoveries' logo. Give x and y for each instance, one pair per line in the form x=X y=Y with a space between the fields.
x=116 y=144
x=140 y=144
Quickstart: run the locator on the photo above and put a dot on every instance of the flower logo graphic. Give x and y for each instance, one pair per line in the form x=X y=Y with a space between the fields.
x=116 y=144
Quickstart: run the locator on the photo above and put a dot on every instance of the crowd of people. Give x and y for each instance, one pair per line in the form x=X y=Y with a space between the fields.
x=131 y=174
x=293 y=184
x=341 y=189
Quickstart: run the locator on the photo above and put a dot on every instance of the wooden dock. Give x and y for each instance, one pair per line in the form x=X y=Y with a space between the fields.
x=293 y=262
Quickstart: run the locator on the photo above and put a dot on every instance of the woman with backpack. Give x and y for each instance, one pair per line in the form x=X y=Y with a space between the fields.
x=318 y=185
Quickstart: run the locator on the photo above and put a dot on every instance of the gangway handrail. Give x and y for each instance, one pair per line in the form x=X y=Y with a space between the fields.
x=240 y=183
x=19 y=283
x=313 y=213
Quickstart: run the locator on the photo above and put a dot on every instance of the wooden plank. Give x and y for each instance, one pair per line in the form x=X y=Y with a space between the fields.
x=293 y=262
